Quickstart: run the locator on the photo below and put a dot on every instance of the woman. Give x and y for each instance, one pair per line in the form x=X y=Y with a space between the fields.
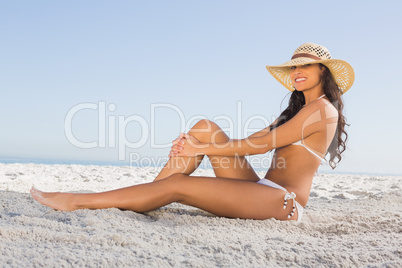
x=313 y=120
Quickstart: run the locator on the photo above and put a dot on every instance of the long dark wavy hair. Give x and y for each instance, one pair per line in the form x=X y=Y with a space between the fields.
x=333 y=93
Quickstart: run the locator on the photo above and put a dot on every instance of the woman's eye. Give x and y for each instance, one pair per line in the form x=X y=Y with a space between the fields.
x=306 y=65
x=292 y=67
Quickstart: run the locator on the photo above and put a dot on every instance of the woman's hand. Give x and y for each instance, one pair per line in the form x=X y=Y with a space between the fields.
x=177 y=145
x=186 y=145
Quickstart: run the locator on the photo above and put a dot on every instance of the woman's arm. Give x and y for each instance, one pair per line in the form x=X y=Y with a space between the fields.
x=313 y=118
x=263 y=131
x=241 y=143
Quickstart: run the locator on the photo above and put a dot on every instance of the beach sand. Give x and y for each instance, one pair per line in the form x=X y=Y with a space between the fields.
x=349 y=221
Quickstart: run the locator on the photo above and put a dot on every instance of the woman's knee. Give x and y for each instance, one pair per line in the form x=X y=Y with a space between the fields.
x=204 y=125
x=176 y=182
x=208 y=131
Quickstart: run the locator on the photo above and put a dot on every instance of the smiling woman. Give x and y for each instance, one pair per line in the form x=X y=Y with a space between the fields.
x=334 y=75
x=313 y=120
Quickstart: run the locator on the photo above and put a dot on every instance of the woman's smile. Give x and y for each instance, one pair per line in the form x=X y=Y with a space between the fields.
x=300 y=79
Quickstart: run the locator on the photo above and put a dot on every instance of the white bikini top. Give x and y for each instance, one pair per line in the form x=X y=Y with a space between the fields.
x=308 y=149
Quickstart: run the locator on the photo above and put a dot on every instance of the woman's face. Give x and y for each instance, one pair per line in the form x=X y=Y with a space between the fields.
x=306 y=77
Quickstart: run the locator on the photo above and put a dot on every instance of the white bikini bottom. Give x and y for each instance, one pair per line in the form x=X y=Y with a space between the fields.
x=288 y=196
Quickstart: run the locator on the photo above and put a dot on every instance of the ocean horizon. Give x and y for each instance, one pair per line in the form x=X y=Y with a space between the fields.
x=204 y=164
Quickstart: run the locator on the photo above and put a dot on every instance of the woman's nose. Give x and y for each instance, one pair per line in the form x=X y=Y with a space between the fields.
x=296 y=70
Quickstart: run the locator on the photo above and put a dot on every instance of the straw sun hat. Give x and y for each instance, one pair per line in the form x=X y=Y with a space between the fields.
x=310 y=53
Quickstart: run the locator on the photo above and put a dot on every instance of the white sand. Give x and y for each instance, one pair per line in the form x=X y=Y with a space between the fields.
x=350 y=221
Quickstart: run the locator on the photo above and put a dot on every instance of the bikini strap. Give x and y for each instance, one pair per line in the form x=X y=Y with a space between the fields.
x=323 y=95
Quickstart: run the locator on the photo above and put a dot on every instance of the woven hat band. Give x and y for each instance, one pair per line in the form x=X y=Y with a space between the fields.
x=305 y=55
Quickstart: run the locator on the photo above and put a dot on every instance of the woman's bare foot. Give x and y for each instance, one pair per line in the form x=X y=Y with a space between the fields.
x=59 y=201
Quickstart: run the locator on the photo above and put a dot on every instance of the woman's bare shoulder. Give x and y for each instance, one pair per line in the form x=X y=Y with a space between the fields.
x=324 y=106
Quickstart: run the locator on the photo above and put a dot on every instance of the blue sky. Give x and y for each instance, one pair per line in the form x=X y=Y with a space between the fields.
x=202 y=58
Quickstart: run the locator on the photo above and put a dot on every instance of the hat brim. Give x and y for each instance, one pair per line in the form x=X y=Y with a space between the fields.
x=342 y=72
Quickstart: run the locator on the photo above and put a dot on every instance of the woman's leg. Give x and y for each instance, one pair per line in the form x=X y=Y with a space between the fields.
x=223 y=166
x=220 y=196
